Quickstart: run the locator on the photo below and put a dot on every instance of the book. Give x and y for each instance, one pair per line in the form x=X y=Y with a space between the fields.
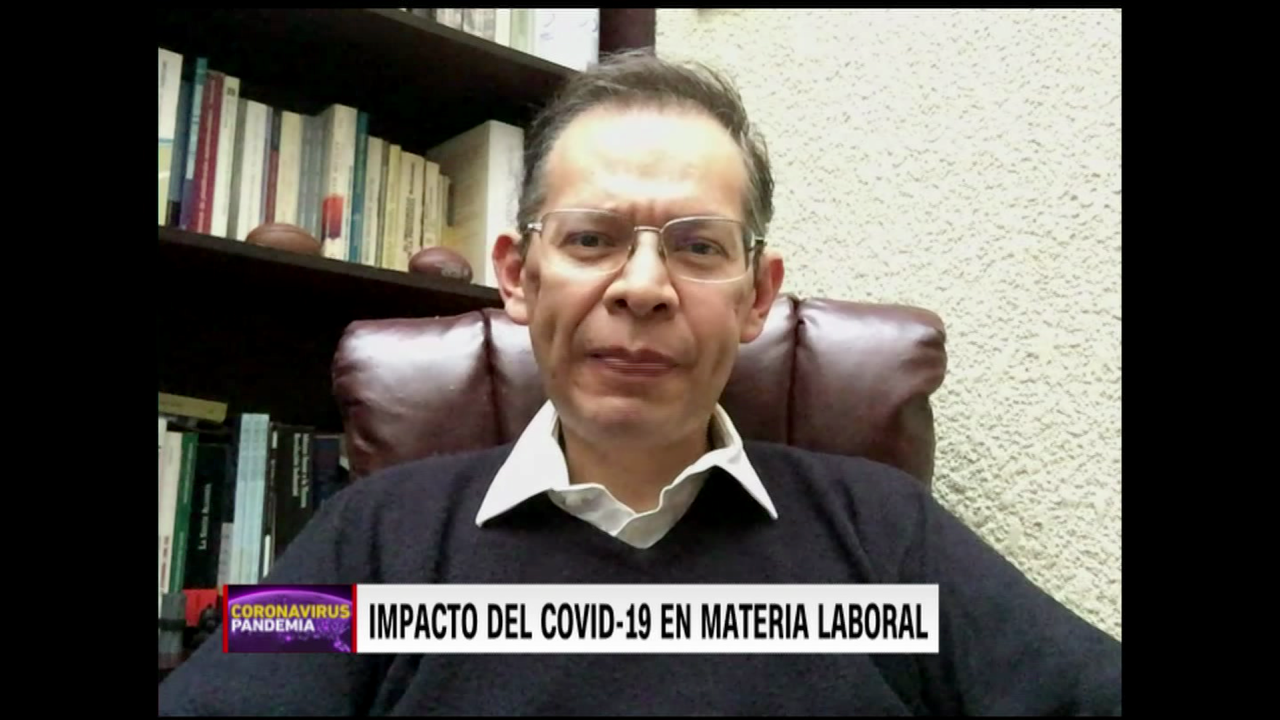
x=355 y=251
x=252 y=141
x=392 y=220
x=270 y=176
x=338 y=146
x=412 y=174
x=567 y=36
x=204 y=534
x=199 y=107
x=430 y=202
x=207 y=154
x=178 y=160
x=290 y=169
x=170 y=90
x=220 y=213
x=484 y=169
x=371 y=216
x=181 y=511
x=170 y=481
x=240 y=162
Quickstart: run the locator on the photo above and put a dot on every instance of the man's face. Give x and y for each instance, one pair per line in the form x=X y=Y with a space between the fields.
x=637 y=355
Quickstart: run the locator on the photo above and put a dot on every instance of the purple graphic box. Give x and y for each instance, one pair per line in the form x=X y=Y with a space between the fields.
x=289 y=619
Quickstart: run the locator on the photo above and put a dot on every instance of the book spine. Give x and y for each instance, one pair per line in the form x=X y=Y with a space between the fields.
x=452 y=17
x=522 y=29
x=290 y=168
x=252 y=561
x=311 y=181
x=163 y=433
x=339 y=142
x=370 y=227
x=199 y=106
x=253 y=156
x=294 y=497
x=220 y=216
x=178 y=159
x=169 y=486
x=480 y=22
x=238 y=170
x=391 y=232
x=170 y=87
x=383 y=198
x=261 y=164
x=328 y=229
x=317 y=179
x=272 y=176
x=203 y=545
x=410 y=224
x=250 y=451
x=420 y=220
x=442 y=221
x=430 y=203
x=306 y=481
x=283 y=490
x=226 y=532
x=502 y=26
x=207 y=159
x=305 y=169
x=182 y=512
x=354 y=249
x=506 y=147
x=267 y=528
x=243 y=442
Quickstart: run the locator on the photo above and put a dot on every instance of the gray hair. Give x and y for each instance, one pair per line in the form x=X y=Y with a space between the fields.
x=638 y=78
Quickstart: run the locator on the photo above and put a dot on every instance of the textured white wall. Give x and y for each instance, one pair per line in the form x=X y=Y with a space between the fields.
x=967 y=162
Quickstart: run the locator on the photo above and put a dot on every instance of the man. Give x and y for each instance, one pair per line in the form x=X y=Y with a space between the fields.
x=639 y=269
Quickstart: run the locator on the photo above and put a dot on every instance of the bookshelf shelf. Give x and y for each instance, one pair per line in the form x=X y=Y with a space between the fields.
x=422 y=81
x=257 y=327
x=188 y=254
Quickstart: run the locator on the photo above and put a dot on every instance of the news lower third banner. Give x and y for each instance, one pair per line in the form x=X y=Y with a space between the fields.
x=428 y=619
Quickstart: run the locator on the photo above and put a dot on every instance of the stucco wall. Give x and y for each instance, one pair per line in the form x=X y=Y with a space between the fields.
x=967 y=162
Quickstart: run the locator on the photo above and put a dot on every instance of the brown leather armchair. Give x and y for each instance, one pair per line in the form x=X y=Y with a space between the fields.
x=832 y=376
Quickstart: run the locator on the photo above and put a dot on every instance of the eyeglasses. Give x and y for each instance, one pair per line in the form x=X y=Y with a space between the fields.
x=599 y=242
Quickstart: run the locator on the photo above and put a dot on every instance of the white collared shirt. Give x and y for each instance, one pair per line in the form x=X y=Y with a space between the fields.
x=537 y=465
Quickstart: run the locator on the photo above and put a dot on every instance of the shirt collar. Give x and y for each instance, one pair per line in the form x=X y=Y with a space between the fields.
x=536 y=465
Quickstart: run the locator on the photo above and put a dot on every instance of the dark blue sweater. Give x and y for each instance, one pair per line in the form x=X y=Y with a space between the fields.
x=1006 y=646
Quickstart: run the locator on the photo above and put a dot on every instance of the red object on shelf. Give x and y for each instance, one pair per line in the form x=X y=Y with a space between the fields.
x=331 y=209
x=197 y=601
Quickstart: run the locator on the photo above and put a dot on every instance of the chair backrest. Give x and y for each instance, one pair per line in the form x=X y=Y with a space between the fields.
x=832 y=376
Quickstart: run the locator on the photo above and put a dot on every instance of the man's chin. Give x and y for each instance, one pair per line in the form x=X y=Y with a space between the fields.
x=622 y=417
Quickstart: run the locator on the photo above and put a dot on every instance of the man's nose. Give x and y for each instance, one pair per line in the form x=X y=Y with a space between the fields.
x=643 y=287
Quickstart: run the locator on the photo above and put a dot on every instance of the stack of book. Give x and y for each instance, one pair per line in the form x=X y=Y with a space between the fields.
x=566 y=36
x=230 y=163
x=235 y=491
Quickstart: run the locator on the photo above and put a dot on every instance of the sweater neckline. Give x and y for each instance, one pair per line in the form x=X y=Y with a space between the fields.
x=721 y=507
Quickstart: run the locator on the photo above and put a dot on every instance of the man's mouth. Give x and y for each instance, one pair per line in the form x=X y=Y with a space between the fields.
x=638 y=361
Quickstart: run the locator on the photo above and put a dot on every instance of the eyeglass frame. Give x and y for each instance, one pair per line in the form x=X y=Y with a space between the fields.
x=753 y=244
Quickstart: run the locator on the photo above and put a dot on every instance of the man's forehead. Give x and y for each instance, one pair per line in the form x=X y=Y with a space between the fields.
x=673 y=157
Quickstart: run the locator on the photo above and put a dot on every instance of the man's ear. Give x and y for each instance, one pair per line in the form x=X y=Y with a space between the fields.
x=768 y=282
x=509 y=266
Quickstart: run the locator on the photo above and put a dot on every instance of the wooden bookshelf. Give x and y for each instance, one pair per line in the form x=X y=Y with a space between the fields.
x=257 y=327
x=212 y=261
